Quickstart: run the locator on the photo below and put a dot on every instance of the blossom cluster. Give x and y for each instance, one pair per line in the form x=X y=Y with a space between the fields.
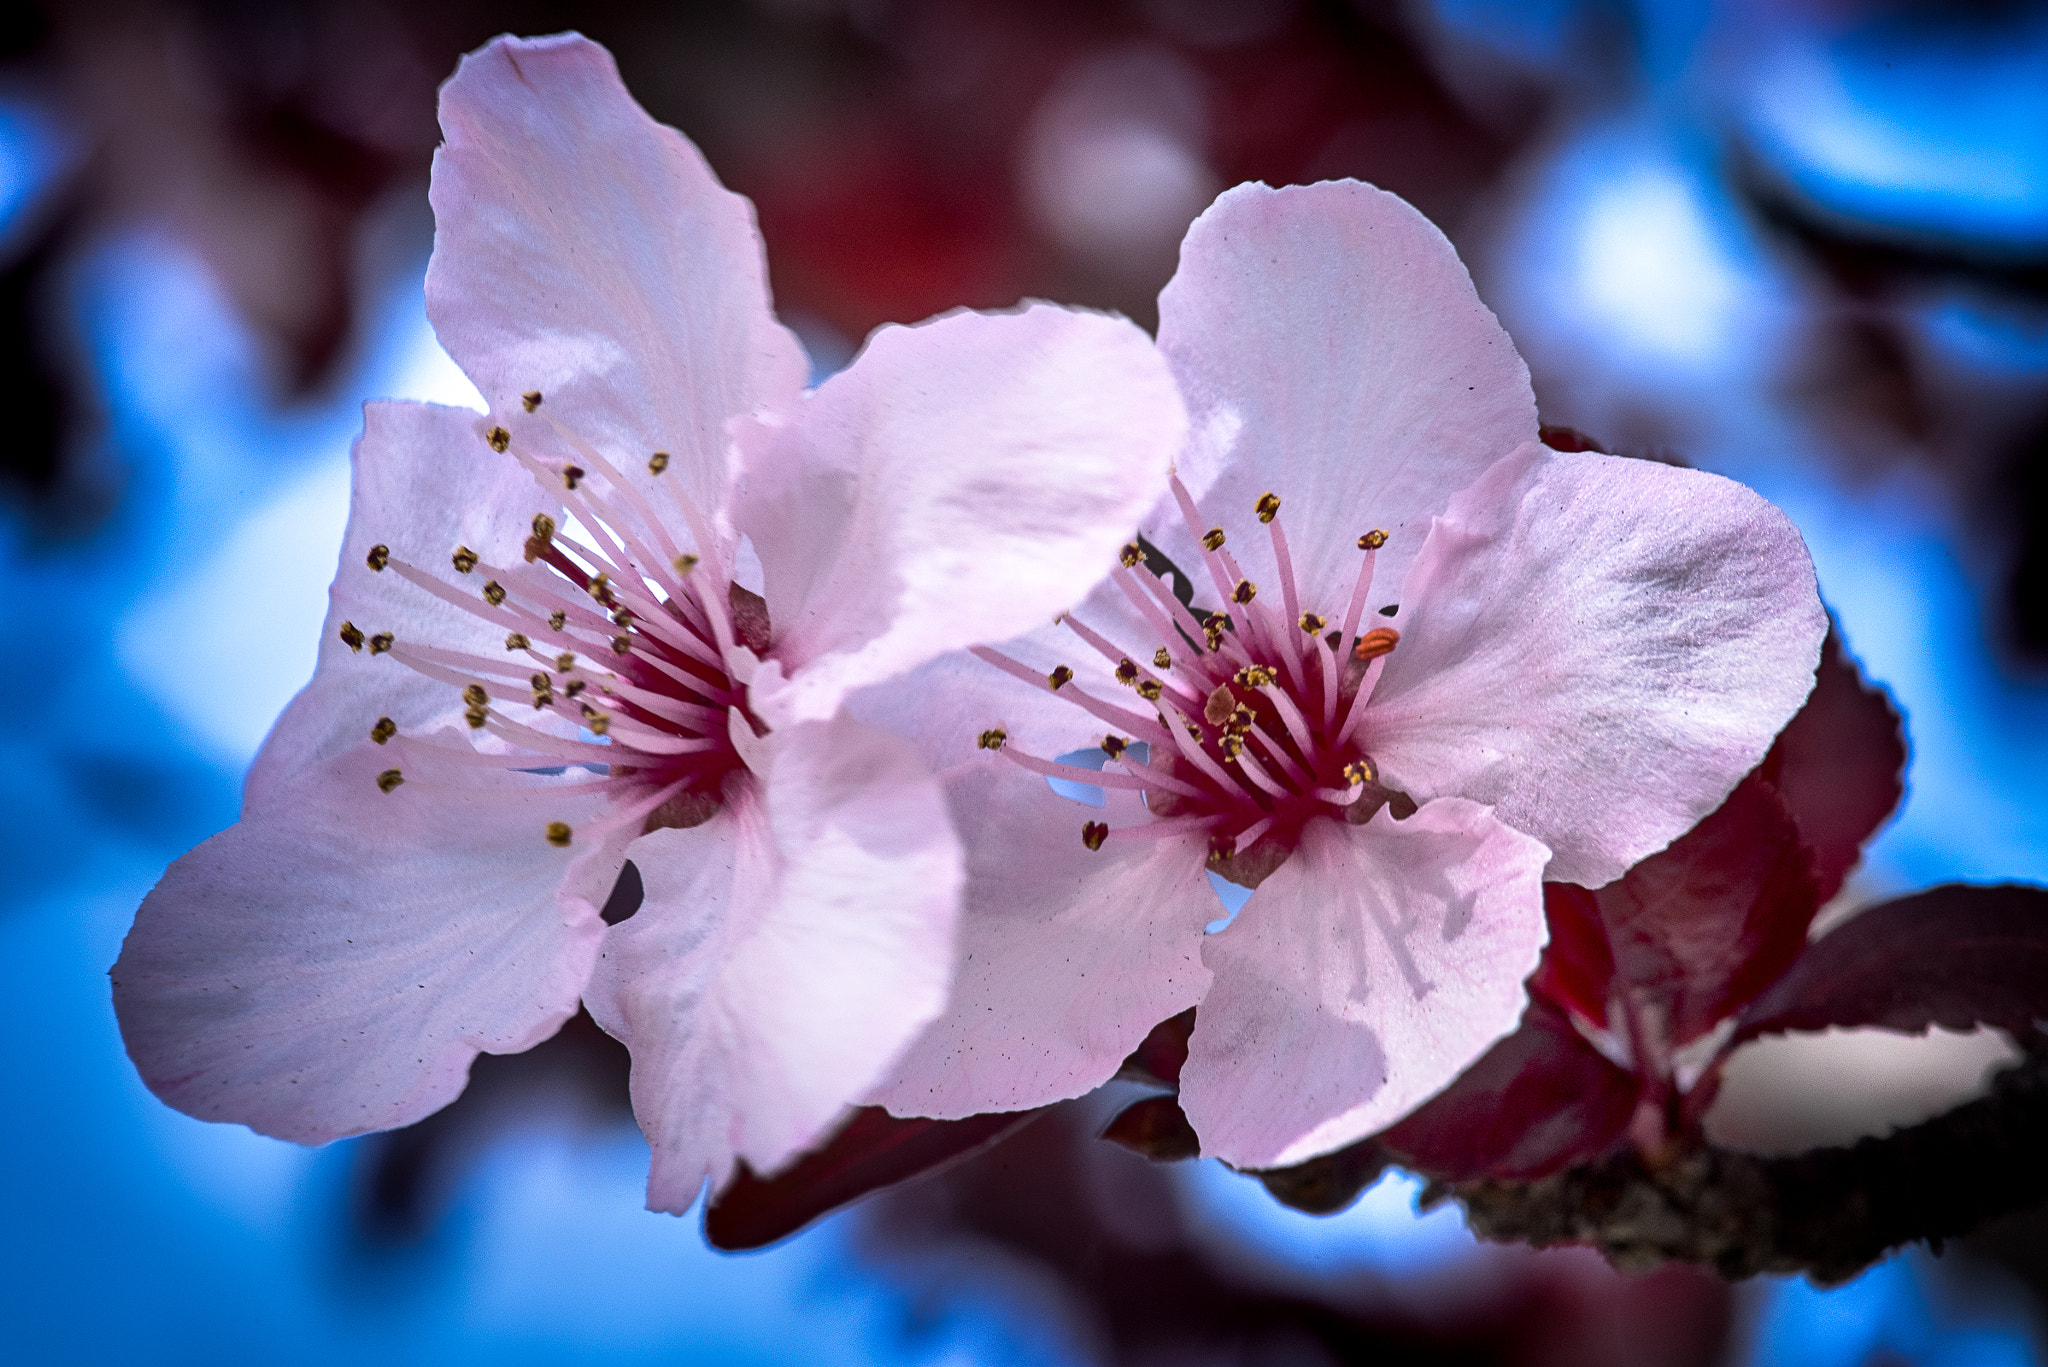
x=1296 y=590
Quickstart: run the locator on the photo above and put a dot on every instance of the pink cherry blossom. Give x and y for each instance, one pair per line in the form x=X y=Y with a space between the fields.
x=1439 y=663
x=538 y=665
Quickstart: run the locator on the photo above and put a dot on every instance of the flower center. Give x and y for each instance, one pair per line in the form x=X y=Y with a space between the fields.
x=620 y=649
x=1254 y=725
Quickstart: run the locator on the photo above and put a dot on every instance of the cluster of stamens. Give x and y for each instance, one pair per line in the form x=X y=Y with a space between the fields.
x=1253 y=723
x=650 y=727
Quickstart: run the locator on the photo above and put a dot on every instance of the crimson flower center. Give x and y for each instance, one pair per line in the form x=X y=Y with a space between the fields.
x=619 y=648
x=1252 y=720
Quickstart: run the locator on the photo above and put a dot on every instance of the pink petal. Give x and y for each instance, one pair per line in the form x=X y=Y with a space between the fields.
x=585 y=251
x=1363 y=976
x=786 y=952
x=961 y=482
x=1068 y=956
x=944 y=705
x=1600 y=648
x=423 y=485
x=333 y=963
x=1332 y=350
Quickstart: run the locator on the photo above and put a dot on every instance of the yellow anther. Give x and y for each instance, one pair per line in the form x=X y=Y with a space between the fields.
x=1268 y=506
x=1212 y=540
x=544 y=526
x=622 y=645
x=600 y=587
x=494 y=592
x=1312 y=623
x=382 y=642
x=622 y=617
x=352 y=636
x=1231 y=745
x=1161 y=660
x=559 y=834
x=1212 y=630
x=475 y=696
x=573 y=687
x=531 y=399
x=687 y=562
x=1254 y=676
x=476 y=717
x=565 y=662
x=1149 y=689
x=384 y=730
x=1240 y=719
x=1114 y=745
x=516 y=641
x=379 y=556
x=1131 y=554
x=1127 y=672
x=657 y=462
x=1372 y=540
x=556 y=619
x=388 y=780
x=1359 y=771
x=991 y=739
x=540 y=681
x=498 y=439
x=543 y=697
x=464 y=559
x=1060 y=677
x=1245 y=591
x=1375 y=643
x=1093 y=833
x=598 y=722
x=572 y=475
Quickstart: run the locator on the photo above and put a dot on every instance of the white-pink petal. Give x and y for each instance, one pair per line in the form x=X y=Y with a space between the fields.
x=1360 y=979
x=587 y=252
x=331 y=964
x=961 y=482
x=1332 y=350
x=785 y=953
x=1600 y=648
x=423 y=485
x=1068 y=956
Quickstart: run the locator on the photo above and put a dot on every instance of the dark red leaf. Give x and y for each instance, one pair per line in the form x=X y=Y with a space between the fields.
x=873 y=1150
x=1700 y=928
x=1838 y=765
x=1155 y=1128
x=1540 y=1100
x=1955 y=956
x=1158 y=1058
x=1577 y=965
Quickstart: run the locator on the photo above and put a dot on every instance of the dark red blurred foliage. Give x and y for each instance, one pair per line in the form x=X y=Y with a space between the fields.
x=881 y=142
x=1091 y=1247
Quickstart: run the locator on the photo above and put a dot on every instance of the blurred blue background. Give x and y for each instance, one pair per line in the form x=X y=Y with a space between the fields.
x=1805 y=245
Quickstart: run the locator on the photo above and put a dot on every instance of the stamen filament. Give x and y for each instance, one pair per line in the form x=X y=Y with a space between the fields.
x=1072 y=773
x=1360 y=699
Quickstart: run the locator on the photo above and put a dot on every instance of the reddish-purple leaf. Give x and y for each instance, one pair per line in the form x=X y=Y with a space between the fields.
x=1578 y=965
x=873 y=1150
x=1155 y=1128
x=1161 y=1054
x=1955 y=956
x=1838 y=765
x=1700 y=928
x=1540 y=1100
